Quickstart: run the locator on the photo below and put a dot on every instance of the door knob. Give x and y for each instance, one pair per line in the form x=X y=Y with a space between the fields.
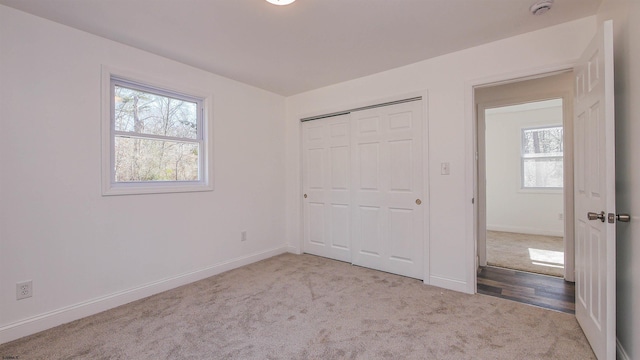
x=418 y=201
x=611 y=217
x=596 y=216
x=623 y=217
x=305 y=196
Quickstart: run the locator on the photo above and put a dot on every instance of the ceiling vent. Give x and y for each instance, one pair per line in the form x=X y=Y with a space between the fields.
x=541 y=7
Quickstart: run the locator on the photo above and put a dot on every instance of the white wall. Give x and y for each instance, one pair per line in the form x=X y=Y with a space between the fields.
x=626 y=22
x=85 y=252
x=509 y=207
x=448 y=80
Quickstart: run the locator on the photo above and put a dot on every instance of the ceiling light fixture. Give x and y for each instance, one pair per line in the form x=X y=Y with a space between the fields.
x=281 y=2
x=541 y=7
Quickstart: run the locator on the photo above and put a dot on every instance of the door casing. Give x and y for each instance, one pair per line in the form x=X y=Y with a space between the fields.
x=471 y=148
x=552 y=86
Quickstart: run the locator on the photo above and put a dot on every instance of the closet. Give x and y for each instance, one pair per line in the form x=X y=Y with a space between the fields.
x=363 y=187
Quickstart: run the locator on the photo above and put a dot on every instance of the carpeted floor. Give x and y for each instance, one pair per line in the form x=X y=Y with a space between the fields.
x=307 y=307
x=533 y=253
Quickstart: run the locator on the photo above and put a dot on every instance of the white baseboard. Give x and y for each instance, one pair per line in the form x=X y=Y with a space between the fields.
x=524 y=230
x=70 y=313
x=621 y=354
x=451 y=284
x=293 y=250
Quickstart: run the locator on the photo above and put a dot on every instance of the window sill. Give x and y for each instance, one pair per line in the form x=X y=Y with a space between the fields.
x=557 y=191
x=153 y=188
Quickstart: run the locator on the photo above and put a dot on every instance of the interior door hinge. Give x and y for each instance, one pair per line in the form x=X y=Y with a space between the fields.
x=473 y=200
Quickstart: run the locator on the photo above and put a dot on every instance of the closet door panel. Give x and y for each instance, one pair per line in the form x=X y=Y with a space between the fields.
x=388 y=213
x=326 y=182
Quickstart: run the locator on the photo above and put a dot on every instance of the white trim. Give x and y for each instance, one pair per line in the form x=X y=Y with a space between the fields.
x=294 y=250
x=426 y=189
x=450 y=284
x=299 y=195
x=156 y=81
x=471 y=178
x=77 y=311
x=621 y=354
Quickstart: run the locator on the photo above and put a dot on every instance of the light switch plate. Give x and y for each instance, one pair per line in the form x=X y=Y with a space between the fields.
x=444 y=168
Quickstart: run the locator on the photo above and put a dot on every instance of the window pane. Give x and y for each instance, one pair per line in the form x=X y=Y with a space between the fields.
x=542 y=173
x=155 y=160
x=547 y=141
x=146 y=113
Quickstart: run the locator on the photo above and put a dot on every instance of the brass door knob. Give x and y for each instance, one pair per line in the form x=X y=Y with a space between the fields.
x=305 y=196
x=418 y=201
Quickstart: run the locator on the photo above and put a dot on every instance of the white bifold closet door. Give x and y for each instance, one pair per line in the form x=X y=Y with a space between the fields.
x=363 y=179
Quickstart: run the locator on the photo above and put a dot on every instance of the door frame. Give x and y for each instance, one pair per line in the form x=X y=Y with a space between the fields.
x=471 y=147
x=425 y=162
x=531 y=92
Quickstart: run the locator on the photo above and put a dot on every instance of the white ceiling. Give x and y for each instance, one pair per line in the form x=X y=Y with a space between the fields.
x=306 y=45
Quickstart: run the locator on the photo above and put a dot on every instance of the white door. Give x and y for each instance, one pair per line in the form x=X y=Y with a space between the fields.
x=387 y=182
x=326 y=184
x=595 y=193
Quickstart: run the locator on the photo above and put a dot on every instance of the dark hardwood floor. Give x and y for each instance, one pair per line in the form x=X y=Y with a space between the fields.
x=540 y=290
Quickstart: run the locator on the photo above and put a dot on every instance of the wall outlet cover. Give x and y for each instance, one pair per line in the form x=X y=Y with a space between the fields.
x=24 y=290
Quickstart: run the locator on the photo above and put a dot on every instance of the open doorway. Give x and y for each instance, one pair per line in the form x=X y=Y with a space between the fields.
x=524 y=150
x=525 y=188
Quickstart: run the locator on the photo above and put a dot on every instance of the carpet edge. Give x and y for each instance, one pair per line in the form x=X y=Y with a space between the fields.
x=44 y=321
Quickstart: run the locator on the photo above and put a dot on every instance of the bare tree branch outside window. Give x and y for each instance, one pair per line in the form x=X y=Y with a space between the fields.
x=156 y=137
x=542 y=157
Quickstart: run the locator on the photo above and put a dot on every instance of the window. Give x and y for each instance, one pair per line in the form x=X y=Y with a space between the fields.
x=542 y=155
x=157 y=140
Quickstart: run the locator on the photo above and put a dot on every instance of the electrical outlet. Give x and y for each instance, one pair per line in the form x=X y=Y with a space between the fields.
x=24 y=290
x=243 y=235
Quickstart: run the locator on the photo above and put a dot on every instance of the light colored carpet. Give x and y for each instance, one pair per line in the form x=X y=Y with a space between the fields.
x=533 y=253
x=307 y=307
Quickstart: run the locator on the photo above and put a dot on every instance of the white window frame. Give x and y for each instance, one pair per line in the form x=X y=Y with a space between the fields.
x=163 y=87
x=523 y=157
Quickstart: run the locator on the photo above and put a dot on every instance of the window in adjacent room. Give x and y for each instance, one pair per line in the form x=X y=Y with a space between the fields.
x=542 y=154
x=157 y=140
